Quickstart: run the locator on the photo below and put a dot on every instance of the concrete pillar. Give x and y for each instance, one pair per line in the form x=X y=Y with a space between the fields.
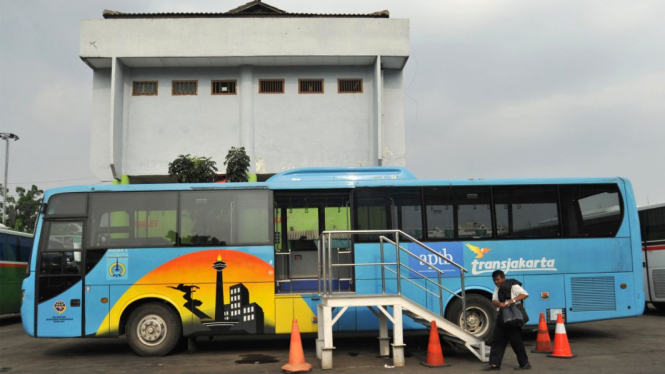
x=246 y=92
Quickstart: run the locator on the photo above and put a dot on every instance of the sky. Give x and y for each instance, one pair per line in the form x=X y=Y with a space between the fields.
x=494 y=89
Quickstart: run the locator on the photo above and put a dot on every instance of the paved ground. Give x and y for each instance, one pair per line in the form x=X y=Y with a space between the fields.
x=634 y=345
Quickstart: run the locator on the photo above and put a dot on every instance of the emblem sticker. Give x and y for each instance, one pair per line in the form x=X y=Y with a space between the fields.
x=60 y=307
x=117 y=267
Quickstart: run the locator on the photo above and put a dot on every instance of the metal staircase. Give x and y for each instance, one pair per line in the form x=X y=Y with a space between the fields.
x=388 y=306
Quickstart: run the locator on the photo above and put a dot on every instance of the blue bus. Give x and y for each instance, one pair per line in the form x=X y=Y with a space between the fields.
x=158 y=263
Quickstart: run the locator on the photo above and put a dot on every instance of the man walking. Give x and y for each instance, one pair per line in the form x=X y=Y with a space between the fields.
x=507 y=293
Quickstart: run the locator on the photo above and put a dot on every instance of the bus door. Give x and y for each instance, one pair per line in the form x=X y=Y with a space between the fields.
x=60 y=286
x=300 y=217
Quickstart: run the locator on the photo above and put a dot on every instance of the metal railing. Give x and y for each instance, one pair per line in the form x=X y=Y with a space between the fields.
x=325 y=265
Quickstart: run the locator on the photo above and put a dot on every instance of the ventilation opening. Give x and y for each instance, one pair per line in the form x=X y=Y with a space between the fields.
x=271 y=86
x=223 y=87
x=350 y=85
x=310 y=86
x=658 y=276
x=146 y=88
x=185 y=87
x=592 y=294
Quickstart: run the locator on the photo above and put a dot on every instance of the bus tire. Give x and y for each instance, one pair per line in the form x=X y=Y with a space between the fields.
x=153 y=330
x=481 y=315
x=659 y=306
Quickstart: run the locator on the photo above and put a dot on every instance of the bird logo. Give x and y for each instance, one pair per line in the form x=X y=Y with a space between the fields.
x=480 y=252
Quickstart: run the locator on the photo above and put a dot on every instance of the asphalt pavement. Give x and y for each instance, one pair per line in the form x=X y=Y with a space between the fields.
x=631 y=345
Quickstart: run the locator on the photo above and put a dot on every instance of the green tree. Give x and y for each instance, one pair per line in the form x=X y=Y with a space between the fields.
x=237 y=165
x=193 y=169
x=22 y=214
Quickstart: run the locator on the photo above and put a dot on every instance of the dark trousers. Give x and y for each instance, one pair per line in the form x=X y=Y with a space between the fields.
x=502 y=335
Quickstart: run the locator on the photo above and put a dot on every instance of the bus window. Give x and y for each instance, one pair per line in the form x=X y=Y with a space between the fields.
x=133 y=219
x=439 y=212
x=253 y=218
x=526 y=212
x=9 y=248
x=655 y=227
x=406 y=211
x=591 y=211
x=371 y=212
x=71 y=204
x=205 y=217
x=474 y=216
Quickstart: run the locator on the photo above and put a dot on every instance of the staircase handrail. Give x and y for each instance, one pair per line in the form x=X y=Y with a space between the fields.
x=325 y=265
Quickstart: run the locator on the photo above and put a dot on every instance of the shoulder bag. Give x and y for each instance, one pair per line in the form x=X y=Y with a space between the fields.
x=512 y=316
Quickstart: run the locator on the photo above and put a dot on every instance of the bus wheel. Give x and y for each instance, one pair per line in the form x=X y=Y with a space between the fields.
x=153 y=330
x=480 y=315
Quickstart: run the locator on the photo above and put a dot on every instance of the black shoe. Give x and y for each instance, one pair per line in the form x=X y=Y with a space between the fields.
x=525 y=367
x=491 y=368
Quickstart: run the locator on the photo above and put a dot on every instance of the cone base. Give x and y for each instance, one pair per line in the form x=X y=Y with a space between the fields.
x=297 y=368
x=434 y=366
x=554 y=356
x=536 y=351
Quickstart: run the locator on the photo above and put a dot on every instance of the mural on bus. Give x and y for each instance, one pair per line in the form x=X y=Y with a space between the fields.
x=222 y=291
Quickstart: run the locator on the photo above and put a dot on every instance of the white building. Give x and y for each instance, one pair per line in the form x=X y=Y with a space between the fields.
x=296 y=90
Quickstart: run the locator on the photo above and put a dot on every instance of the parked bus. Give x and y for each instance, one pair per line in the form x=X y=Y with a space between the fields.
x=160 y=262
x=15 y=250
x=652 y=223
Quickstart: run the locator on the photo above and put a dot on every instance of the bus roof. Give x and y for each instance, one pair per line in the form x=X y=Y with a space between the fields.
x=337 y=178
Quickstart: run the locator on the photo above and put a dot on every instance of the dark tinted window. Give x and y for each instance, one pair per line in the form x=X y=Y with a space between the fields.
x=655 y=224
x=73 y=204
x=474 y=217
x=440 y=213
x=591 y=210
x=25 y=248
x=387 y=209
x=225 y=217
x=132 y=219
x=372 y=212
x=406 y=211
x=526 y=212
x=9 y=248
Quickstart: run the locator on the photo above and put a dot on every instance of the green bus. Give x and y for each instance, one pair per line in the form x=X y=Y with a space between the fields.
x=15 y=249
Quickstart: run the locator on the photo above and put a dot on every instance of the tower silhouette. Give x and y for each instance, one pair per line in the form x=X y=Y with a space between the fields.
x=219 y=265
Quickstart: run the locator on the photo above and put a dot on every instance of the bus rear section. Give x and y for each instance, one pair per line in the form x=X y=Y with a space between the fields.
x=15 y=248
x=652 y=224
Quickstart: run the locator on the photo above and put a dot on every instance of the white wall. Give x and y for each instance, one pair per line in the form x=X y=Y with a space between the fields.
x=159 y=128
x=240 y=37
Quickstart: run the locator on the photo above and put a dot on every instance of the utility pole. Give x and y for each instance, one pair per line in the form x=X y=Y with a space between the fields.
x=6 y=137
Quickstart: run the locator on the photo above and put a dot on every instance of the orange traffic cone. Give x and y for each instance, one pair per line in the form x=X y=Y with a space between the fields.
x=561 y=346
x=543 y=342
x=297 y=362
x=434 y=354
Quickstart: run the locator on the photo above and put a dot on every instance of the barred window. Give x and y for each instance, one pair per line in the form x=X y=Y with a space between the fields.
x=306 y=86
x=184 y=88
x=144 y=88
x=224 y=87
x=271 y=85
x=350 y=85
